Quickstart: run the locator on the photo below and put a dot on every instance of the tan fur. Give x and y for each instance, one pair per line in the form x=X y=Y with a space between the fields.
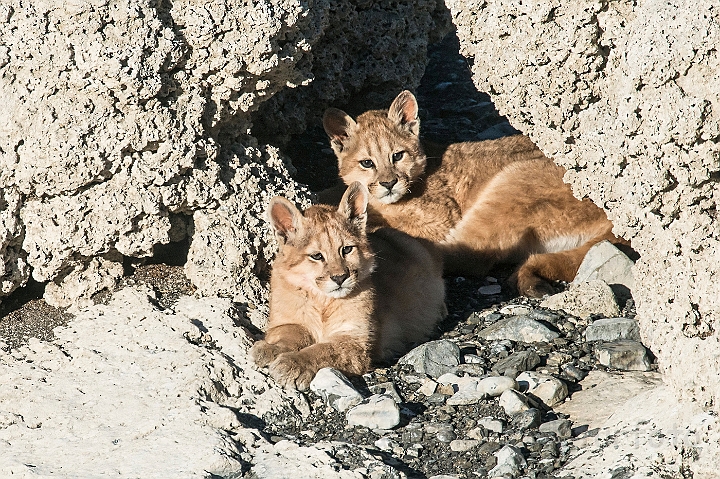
x=485 y=202
x=342 y=298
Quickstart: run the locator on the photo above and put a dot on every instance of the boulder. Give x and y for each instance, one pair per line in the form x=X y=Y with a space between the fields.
x=133 y=125
x=624 y=96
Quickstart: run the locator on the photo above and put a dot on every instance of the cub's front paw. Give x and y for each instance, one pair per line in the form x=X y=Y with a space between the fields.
x=291 y=371
x=263 y=353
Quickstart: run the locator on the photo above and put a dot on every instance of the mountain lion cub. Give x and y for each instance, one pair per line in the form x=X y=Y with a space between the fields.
x=484 y=202
x=340 y=297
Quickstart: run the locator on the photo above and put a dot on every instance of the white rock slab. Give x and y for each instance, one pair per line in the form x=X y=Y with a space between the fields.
x=129 y=390
x=335 y=389
x=379 y=411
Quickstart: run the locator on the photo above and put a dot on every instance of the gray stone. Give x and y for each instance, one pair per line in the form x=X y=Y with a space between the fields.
x=546 y=388
x=604 y=261
x=584 y=299
x=612 y=329
x=561 y=427
x=433 y=358
x=387 y=388
x=379 y=411
x=573 y=372
x=518 y=328
x=462 y=445
x=490 y=290
x=517 y=362
x=491 y=424
x=335 y=389
x=527 y=419
x=623 y=354
x=513 y=402
x=509 y=462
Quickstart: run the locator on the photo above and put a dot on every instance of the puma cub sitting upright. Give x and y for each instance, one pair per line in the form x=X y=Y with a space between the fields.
x=483 y=202
x=342 y=298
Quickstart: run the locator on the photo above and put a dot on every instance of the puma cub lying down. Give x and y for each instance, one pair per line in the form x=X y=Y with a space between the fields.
x=342 y=298
x=484 y=202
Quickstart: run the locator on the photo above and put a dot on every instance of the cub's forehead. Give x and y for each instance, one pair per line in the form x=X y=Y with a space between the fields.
x=326 y=229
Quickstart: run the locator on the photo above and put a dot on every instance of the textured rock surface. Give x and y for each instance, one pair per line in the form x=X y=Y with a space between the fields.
x=604 y=261
x=625 y=94
x=611 y=329
x=66 y=408
x=584 y=299
x=126 y=125
x=624 y=414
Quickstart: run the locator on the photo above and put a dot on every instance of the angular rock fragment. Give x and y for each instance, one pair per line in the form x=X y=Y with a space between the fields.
x=335 y=389
x=584 y=299
x=376 y=412
x=612 y=329
x=434 y=358
x=513 y=402
x=462 y=445
x=518 y=328
x=604 y=261
x=517 y=362
x=561 y=427
x=623 y=354
x=548 y=389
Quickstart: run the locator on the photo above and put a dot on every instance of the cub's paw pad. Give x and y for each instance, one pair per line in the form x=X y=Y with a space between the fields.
x=291 y=371
x=263 y=353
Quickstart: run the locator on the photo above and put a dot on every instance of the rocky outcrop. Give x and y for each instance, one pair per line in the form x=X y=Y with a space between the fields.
x=127 y=125
x=625 y=96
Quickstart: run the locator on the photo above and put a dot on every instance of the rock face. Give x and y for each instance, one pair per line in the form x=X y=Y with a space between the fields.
x=127 y=125
x=190 y=380
x=625 y=95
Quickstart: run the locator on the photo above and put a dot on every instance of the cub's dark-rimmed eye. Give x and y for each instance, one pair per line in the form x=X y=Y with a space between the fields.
x=316 y=256
x=397 y=156
x=367 y=164
x=346 y=250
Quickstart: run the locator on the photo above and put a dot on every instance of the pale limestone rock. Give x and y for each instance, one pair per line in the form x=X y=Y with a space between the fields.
x=624 y=95
x=379 y=411
x=335 y=389
x=548 y=389
x=584 y=299
x=513 y=402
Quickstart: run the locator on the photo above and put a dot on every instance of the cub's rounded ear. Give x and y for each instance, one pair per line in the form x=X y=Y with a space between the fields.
x=404 y=112
x=353 y=205
x=339 y=126
x=284 y=218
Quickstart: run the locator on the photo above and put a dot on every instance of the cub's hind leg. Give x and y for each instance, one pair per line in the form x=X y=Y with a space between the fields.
x=280 y=339
x=533 y=276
